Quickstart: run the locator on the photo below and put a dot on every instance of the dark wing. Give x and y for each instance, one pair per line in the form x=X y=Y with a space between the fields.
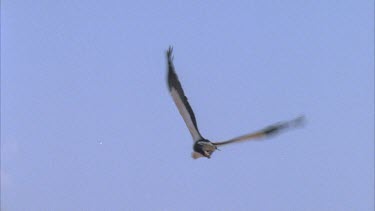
x=180 y=99
x=268 y=131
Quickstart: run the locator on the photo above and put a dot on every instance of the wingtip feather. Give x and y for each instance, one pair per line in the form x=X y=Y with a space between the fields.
x=170 y=53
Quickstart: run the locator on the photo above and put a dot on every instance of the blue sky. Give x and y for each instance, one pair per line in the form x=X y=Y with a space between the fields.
x=87 y=122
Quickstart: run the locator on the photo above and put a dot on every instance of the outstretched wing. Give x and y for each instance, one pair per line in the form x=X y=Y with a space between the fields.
x=268 y=131
x=180 y=99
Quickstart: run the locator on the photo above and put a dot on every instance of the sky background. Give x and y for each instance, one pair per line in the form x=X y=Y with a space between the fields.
x=87 y=122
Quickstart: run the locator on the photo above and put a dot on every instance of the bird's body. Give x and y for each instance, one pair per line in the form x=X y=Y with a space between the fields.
x=203 y=147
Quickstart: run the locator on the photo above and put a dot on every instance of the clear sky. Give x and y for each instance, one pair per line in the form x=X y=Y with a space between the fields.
x=87 y=122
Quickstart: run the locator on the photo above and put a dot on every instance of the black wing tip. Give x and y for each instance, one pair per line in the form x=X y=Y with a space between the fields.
x=171 y=76
x=170 y=53
x=299 y=121
x=274 y=129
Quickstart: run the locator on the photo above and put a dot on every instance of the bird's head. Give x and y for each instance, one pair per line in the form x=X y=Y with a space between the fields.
x=203 y=148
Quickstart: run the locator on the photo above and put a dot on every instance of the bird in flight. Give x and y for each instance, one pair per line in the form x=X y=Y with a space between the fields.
x=203 y=147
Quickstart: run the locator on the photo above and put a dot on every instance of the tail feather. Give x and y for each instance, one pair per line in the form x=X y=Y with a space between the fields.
x=196 y=155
